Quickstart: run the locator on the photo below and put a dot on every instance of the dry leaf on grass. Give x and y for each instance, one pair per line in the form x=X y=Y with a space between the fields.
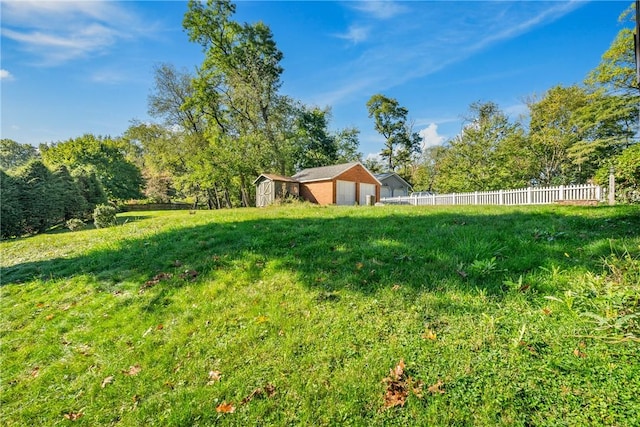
x=225 y=408
x=214 y=376
x=73 y=416
x=436 y=388
x=269 y=390
x=132 y=371
x=106 y=381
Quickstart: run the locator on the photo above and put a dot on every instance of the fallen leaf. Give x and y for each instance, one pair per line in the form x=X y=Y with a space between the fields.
x=225 y=408
x=133 y=370
x=395 y=287
x=73 y=416
x=395 y=396
x=268 y=390
x=436 y=388
x=546 y=311
x=49 y=317
x=214 y=376
x=35 y=371
x=578 y=353
x=359 y=266
x=429 y=335
x=398 y=371
x=160 y=327
x=106 y=381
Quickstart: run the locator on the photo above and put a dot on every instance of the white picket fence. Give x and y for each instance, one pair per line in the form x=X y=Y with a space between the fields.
x=522 y=196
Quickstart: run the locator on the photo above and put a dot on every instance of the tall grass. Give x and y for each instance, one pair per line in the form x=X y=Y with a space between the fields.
x=295 y=316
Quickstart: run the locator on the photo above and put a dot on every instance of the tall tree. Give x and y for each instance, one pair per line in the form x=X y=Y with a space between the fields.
x=390 y=121
x=489 y=154
x=120 y=178
x=14 y=154
x=11 y=211
x=39 y=197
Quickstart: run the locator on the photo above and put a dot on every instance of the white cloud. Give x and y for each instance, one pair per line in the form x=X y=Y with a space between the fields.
x=55 y=32
x=5 y=75
x=379 y=9
x=355 y=35
x=430 y=136
x=439 y=35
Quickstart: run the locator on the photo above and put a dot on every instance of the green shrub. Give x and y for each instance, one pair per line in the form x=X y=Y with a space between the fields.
x=104 y=216
x=75 y=224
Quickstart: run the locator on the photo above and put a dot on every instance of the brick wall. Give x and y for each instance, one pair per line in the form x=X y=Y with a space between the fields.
x=322 y=192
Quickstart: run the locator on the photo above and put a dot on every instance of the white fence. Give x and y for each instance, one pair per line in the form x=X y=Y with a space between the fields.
x=522 y=196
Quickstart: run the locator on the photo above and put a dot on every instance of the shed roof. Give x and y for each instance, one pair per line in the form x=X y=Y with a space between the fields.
x=324 y=173
x=274 y=177
x=386 y=175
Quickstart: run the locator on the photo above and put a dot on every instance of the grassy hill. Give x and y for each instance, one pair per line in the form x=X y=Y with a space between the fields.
x=327 y=316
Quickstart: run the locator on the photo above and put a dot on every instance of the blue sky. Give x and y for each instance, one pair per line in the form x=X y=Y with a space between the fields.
x=69 y=68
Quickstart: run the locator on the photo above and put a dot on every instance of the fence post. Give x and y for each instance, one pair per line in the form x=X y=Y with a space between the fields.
x=501 y=197
x=561 y=193
x=475 y=198
x=612 y=187
x=529 y=191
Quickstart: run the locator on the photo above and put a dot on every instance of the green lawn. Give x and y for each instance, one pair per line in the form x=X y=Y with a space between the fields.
x=306 y=316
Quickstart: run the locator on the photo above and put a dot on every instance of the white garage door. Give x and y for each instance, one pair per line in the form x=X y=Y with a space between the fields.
x=345 y=193
x=367 y=190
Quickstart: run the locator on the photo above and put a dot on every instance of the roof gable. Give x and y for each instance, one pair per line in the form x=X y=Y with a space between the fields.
x=326 y=173
x=273 y=177
x=392 y=176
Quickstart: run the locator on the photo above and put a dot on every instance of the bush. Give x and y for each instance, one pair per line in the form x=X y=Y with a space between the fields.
x=75 y=224
x=104 y=216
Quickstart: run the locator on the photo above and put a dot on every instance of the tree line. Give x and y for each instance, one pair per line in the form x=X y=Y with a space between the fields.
x=226 y=122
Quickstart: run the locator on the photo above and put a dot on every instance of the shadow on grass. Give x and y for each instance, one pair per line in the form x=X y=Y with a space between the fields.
x=419 y=250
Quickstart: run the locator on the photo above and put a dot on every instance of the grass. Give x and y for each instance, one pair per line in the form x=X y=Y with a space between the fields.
x=296 y=315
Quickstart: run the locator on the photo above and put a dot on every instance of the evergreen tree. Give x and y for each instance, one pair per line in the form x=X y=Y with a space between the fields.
x=11 y=212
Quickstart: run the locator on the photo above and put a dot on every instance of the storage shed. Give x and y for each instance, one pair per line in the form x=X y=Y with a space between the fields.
x=270 y=187
x=392 y=185
x=344 y=184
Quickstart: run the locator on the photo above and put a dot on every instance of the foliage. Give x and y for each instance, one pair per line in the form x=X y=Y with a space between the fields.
x=489 y=154
x=294 y=316
x=617 y=70
x=390 y=121
x=119 y=177
x=40 y=198
x=75 y=224
x=11 y=212
x=104 y=216
x=626 y=167
x=14 y=154
x=74 y=204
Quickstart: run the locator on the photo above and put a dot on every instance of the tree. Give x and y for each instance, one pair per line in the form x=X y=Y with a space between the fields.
x=626 y=168
x=90 y=187
x=11 y=211
x=317 y=147
x=390 y=121
x=13 y=154
x=119 y=177
x=489 y=154
x=553 y=130
x=39 y=197
x=74 y=205
x=347 y=143
x=428 y=168
x=617 y=69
